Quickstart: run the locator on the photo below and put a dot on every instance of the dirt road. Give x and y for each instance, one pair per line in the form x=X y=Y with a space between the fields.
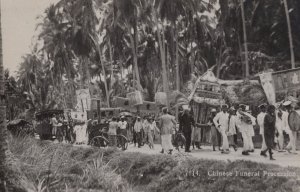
x=282 y=158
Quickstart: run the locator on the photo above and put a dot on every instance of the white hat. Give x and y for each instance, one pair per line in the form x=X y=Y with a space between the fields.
x=225 y=105
x=213 y=110
x=287 y=103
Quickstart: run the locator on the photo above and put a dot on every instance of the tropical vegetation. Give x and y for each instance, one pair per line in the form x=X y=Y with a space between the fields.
x=153 y=46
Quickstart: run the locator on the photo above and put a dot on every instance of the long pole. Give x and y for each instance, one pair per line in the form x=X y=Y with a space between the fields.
x=290 y=33
x=245 y=39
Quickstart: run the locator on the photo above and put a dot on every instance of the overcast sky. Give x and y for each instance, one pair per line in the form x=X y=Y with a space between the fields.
x=18 y=27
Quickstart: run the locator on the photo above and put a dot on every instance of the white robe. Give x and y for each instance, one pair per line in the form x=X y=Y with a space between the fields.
x=81 y=135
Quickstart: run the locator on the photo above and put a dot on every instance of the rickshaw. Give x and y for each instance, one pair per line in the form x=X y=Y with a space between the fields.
x=98 y=131
x=44 y=127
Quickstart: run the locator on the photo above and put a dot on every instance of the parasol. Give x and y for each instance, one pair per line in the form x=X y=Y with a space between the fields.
x=126 y=114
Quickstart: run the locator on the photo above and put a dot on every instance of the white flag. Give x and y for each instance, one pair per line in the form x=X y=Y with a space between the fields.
x=268 y=86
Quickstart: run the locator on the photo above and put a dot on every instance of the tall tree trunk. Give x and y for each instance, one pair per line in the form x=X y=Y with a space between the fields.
x=81 y=73
x=111 y=65
x=177 y=71
x=245 y=39
x=97 y=46
x=161 y=41
x=135 y=69
x=290 y=33
x=104 y=79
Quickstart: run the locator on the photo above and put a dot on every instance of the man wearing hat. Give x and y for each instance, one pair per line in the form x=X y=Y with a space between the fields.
x=233 y=124
x=138 y=126
x=287 y=108
x=123 y=129
x=260 y=122
x=246 y=122
x=166 y=124
x=221 y=121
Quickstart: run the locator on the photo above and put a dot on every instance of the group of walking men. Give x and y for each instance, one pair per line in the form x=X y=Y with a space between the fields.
x=272 y=123
x=225 y=126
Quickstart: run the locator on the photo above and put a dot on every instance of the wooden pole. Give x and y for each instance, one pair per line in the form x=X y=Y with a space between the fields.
x=290 y=33
x=98 y=111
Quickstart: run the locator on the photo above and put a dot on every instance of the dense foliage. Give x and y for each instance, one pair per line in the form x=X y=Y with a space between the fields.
x=151 y=46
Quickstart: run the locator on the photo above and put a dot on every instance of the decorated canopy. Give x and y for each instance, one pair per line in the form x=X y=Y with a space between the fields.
x=207 y=90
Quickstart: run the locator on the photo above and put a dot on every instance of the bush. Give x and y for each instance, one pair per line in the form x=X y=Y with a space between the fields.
x=57 y=167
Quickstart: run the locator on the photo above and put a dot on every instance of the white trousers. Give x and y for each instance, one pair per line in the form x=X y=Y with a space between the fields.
x=263 y=145
x=293 y=140
x=280 y=140
x=247 y=140
x=225 y=144
x=166 y=142
x=251 y=145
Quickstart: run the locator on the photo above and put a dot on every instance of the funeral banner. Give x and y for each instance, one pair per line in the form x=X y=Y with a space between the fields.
x=83 y=100
x=268 y=86
x=281 y=84
x=287 y=83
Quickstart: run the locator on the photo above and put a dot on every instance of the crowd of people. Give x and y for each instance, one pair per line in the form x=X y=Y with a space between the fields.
x=225 y=126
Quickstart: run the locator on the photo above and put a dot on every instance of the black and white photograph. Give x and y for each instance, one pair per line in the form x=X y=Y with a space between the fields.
x=149 y=96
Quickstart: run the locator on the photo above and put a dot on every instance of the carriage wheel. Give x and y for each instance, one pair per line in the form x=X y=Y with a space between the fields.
x=122 y=142
x=99 y=141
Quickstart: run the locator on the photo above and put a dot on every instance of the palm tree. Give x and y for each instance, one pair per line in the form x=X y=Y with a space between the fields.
x=127 y=16
x=289 y=32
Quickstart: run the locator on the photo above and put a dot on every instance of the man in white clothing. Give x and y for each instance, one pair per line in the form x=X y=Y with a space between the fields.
x=221 y=121
x=260 y=122
x=246 y=122
x=123 y=130
x=285 y=114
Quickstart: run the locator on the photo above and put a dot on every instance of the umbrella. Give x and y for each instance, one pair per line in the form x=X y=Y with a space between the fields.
x=126 y=114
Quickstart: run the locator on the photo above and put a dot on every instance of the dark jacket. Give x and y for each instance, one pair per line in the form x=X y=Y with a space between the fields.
x=186 y=121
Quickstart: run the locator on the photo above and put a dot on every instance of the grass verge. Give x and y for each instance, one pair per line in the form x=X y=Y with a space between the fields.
x=60 y=167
